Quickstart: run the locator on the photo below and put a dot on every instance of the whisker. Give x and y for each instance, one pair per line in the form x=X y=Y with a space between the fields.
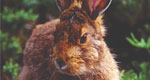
x=79 y=77
x=52 y=75
x=93 y=75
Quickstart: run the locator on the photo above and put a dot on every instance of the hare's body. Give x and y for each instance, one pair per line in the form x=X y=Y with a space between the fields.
x=69 y=48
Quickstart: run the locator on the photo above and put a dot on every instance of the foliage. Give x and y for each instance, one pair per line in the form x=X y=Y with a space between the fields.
x=10 y=43
x=33 y=3
x=145 y=31
x=144 y=72
x=131 y=6
x=143 y=43
x=4 y=40
x=9 y=15
x=128 y=11
x=12 y=35
x=11 y=47
x=14 y=20
x=143 y=69
x=15 y=17
x=11 y=68
x=44 y=7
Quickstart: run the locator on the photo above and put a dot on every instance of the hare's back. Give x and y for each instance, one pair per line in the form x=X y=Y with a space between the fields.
x=37 y=50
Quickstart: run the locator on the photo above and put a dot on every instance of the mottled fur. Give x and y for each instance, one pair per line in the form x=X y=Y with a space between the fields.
x=61 y=39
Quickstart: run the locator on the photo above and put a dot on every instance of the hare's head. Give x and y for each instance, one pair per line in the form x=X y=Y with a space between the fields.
x=78 y=45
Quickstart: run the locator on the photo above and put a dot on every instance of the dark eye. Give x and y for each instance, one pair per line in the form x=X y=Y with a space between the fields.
x=83 y=38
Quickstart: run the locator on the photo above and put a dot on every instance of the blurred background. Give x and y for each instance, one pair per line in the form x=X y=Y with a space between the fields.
x=128 y=34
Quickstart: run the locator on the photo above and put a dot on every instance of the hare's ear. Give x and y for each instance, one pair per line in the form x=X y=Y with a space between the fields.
x=94 y=8
x=63 y=4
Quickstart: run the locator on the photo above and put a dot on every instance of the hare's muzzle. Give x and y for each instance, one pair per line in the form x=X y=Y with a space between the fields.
x=60 y=64
x=67 y=59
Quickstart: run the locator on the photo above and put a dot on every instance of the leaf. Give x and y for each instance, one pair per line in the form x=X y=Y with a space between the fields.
x=131 y=41
x=122 y=73
x=141 y=44
x=133 y=37
x=148 y=43
x=11 y=67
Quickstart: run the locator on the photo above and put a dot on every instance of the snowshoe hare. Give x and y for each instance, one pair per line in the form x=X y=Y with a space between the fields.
x=71 y=47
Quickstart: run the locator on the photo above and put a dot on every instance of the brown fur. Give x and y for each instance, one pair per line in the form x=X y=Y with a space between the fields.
x=62 y=39
x=37 y=53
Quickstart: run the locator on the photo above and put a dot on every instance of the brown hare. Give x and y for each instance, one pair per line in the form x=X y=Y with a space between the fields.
x=71 y=47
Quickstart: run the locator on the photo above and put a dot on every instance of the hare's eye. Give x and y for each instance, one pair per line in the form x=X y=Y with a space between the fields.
x=83 y=38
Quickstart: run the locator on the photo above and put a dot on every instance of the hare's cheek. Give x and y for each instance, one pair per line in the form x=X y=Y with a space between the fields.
x=92 y=54
x=83 y=69
x=79 y=69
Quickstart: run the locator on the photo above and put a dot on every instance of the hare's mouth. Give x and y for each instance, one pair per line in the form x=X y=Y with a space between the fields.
x=62 y=67
x=65 y=69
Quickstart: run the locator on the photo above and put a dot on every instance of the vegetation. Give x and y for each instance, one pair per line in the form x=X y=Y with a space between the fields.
x=143 y=43
x=12 y=36
x=11 y=68
x=143 y=72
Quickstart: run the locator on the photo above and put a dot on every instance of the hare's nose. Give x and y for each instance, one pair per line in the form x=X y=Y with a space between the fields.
x=60 y=64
